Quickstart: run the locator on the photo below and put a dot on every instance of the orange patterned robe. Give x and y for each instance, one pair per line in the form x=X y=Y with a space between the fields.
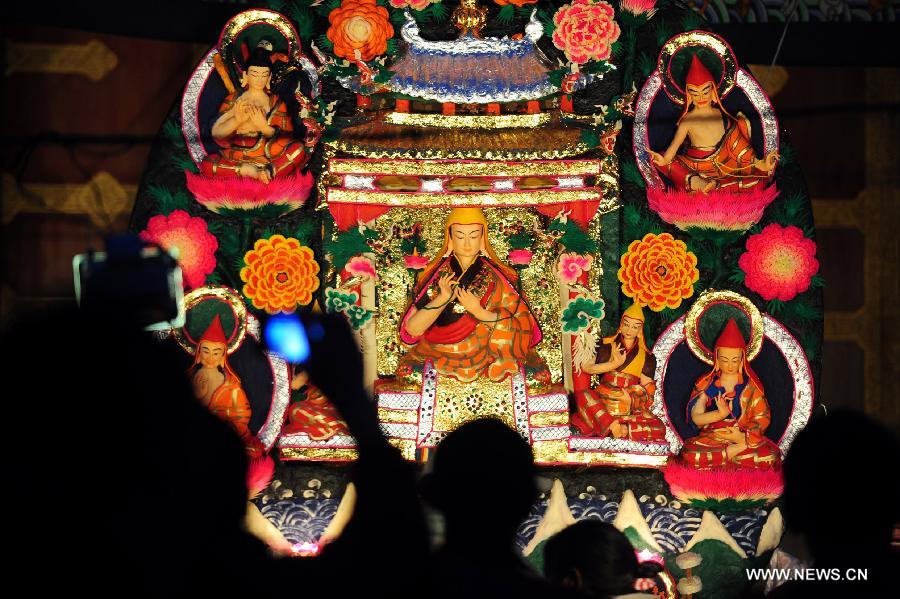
x=315 y=416
x=730 y=163
x=230 y=403
x=598 y=408
x=460 y=346
x=282 y=153
x=749 y=411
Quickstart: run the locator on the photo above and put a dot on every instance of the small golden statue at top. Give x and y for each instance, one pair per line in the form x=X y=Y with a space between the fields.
x=469 y=17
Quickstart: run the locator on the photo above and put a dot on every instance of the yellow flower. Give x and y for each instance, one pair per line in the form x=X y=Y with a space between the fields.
x=280 y=274
x=658 y=271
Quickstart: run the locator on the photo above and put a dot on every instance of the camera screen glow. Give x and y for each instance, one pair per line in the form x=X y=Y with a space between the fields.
x=285 y=336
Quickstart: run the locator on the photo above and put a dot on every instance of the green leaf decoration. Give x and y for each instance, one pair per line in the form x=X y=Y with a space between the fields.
x=576 y=317
x=303 y=19
x=775 y=307
x=802 y=311
x=324 y=43
x=305 y=231
x=396 y=17
x=358 y=316
x=506 y=14
x=547 y=21
x=183 y=162
x=439 y=12
x=229 y=239
x=338 y=301
x=790 y=210
x=631 y=174
x=589 y=137
x=811 y=346
x=348 y=244
x=737 y=276
x=327 y=6
x=788 y=155
x=521 y=240
x=645 y=64
x=691 y=21
x=172 y=131
x=214 y=278
x=392 y=48
x=662 y=31
x=555 y=77
x=169 y=201
x=817 y=282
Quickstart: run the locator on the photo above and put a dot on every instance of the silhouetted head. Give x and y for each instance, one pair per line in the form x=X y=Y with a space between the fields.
x=483 y=480
x=594 y=557
x=843 y=457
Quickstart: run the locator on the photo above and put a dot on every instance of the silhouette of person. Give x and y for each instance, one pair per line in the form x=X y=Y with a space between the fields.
x=596 y=558
x=844 y=456
x=483 y=482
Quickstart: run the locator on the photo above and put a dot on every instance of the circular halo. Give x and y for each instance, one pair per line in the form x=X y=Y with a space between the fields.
x=707 y=299
x=248 y=18
x=689 y=39
x=221 y=294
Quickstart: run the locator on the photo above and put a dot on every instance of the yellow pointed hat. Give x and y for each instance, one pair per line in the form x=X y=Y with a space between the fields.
x=634 y=311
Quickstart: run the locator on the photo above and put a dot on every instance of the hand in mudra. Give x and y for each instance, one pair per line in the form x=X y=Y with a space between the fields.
x=658 y=159
x=258 y=118
x=701 y=184
x=733 y=435
x=768 y=163
x=254 y=171
x=617 y=357
x=469 y=301
x=618 y=430
x=722 y=406
x=446 y=288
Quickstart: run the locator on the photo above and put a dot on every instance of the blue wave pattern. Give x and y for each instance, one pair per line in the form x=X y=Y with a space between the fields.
x=300 y=520
x=672 y=526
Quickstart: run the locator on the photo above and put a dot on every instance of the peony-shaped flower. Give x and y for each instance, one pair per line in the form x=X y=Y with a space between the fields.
x=415 y=262
x=195 y=244
x=520 y=257
x=519 y=3
x=413 y=4
x=585 y=30
x=362 y=267
x=280 y=274
x=359 y=25
x=779 y=262
x=571 y=266
x=658 y=271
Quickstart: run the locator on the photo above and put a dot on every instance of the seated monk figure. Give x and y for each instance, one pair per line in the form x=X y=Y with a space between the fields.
x=254 y=129
x=729 y=411
x=620 y=405
x=717 y=152
x=466 y=315
x=313 y=415
x=219 y=388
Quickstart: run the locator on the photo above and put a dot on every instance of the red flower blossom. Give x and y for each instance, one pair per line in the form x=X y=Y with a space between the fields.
x=779 y=262
x=195 y=244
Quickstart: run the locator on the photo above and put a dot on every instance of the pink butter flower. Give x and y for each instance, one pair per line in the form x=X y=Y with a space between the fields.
x=585 y=30
x=190 y=235
x=360 y=266
x=779 y=262
x=414 y=262
x=520 y=257
x=571 y=266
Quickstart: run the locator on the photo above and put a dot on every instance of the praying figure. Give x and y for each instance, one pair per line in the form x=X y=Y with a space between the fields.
x=620 y=405
x=711 y=148
x=729 y=412
x=219 y=388
x=467 y=316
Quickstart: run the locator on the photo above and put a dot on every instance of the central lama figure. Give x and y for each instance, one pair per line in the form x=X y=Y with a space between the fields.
x=467 y=317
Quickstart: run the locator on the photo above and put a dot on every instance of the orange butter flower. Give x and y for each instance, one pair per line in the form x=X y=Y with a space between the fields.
x=519 y=3
x=280 y=274
x=359 y=25
x=658 y=271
